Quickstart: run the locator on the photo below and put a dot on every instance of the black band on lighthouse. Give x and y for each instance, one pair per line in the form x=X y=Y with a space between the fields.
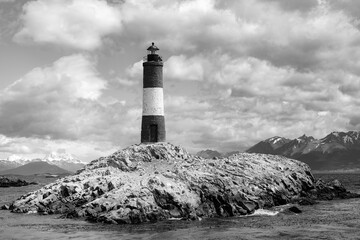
x=153 y=74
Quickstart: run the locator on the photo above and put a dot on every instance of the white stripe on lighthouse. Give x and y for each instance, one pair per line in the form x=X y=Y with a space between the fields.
x=153 y=102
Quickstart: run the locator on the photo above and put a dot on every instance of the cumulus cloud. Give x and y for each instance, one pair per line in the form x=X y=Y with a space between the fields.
x=66 y=105
x=185 y=105
x=73 y=76
x=199 y=25
x=351 y=86
x=29 y=148
x=14 y=146
x=183 y=68
x=57 y=101
x=79 y=24
x=320 y=36
x=295 y=5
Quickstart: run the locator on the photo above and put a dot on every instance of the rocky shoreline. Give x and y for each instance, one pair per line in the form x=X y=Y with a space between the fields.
x=152 y=182
x=13 y=182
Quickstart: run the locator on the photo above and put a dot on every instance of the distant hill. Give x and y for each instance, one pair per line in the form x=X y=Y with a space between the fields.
x=338 y=150
x=33 y=168
x=208 y=154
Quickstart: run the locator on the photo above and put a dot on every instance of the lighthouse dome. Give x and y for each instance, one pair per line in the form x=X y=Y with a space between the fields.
x=152 y=49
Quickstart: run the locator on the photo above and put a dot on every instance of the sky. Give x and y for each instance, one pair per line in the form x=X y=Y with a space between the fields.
x=235 y=72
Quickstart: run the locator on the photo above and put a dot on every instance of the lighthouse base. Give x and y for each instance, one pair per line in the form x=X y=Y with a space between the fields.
x=153 y=129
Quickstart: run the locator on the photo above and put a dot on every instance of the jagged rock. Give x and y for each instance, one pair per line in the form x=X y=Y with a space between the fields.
x=152 y=182
x=294 y=209
x=332 y=190
x=288 y=209
x=5 y=207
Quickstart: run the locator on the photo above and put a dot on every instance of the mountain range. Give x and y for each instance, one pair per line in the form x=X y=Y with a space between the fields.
x=35 y=167
x=337 y=150
x=63 y=160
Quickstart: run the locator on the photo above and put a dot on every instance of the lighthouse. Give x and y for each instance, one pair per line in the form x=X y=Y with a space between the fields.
x=153 y=120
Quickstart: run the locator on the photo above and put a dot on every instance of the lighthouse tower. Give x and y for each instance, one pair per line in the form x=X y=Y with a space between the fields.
x=153 y=120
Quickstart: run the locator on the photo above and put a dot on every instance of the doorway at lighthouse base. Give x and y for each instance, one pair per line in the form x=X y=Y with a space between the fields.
x=153 y=133
x=153 y=129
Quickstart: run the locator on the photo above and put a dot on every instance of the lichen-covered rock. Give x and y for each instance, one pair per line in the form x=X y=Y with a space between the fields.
x=151 y=182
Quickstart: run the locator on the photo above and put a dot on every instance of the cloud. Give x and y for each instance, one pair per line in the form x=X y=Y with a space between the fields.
x=251 y=75
x=185 y=105
x=199 y=25
x=250 y=99
x=351 y=86
x=58 y=101
x=295 y=5
x=182 y=68
x=78 y=24
x=9 y=145
x=318 y=36
x=73 y=76
x=66 y=104
x=232 y=74
x=350 y=7
x=30 y=148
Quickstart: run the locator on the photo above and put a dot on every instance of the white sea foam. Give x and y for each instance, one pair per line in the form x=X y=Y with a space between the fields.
x=32 y=212
x=264 y=212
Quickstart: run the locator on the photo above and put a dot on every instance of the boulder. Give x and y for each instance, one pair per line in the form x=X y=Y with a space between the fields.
x=5 y=207
x=152 y=182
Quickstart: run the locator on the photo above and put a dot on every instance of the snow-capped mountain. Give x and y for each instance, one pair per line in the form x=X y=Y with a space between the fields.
x=338 y=150
x=297 y=146
x=342 y=140
x=11 y=162
x=277 y=142
x=17 y=159
x=35 y=167
x=64 y=157
x=5 y=165
x=66 y=161
x=269 y=146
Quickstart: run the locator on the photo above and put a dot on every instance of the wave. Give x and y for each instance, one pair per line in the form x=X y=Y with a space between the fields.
x=264 y=212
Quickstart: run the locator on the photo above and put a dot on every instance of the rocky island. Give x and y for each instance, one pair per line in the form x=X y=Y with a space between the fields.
x=13 y=182
x=158 y=181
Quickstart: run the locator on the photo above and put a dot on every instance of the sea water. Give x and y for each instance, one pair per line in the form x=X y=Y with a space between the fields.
x=339 y=219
